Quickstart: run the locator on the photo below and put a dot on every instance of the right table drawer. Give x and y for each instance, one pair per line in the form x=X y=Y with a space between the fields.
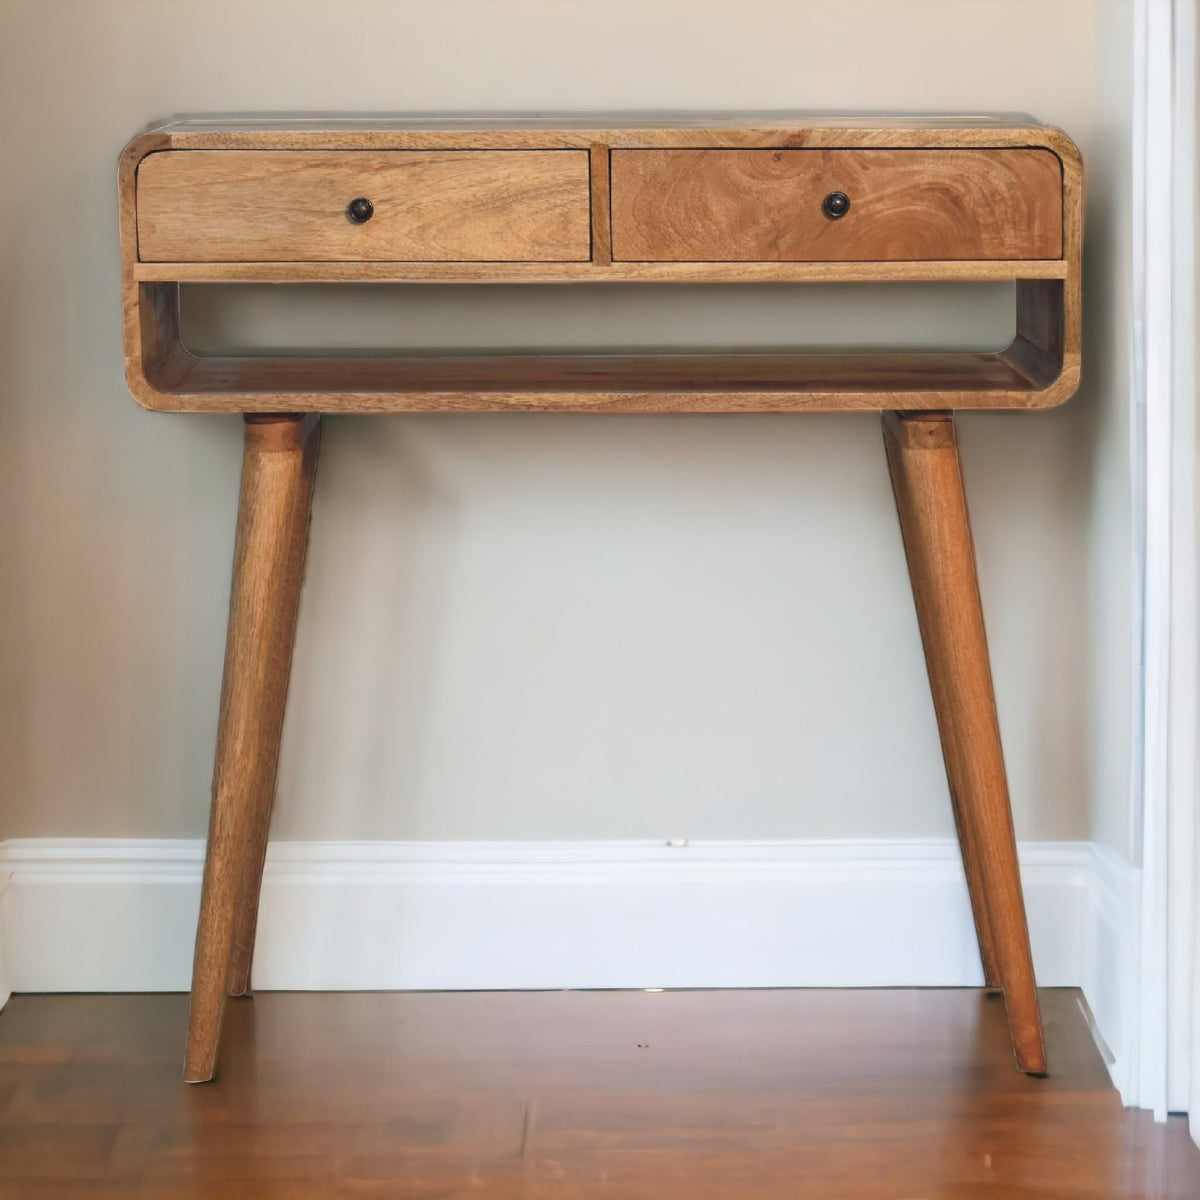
x=767 y=205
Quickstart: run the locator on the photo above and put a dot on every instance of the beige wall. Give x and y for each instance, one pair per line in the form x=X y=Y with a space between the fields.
x=538 y=626
x=1105 y=441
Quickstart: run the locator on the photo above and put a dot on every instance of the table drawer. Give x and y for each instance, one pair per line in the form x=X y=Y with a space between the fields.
x=766 y=205
x=428 y=206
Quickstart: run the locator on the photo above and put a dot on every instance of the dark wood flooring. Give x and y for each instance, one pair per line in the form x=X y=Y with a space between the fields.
x=813 y=1095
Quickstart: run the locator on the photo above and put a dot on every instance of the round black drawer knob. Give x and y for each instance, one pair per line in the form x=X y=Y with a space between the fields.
x=360 y=210
x=835 y=205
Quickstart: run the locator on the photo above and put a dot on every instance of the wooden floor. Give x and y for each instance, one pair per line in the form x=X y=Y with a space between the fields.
x=904 y=1095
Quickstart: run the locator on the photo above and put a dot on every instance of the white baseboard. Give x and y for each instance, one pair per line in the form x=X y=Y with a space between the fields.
x=105 y=915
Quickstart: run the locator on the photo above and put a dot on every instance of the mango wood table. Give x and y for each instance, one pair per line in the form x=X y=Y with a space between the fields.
x=704 y=200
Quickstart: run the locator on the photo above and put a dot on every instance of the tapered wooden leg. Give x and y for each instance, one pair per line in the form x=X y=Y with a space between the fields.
x=277 y=475
x=246 y=923
x=926 y=474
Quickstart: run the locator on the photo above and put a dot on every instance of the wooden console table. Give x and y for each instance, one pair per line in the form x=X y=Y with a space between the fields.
x=705 y=200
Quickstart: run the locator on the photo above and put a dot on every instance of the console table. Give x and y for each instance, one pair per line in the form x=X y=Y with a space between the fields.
x=544 y=201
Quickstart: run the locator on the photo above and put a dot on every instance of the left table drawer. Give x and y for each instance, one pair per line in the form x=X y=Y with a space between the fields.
x=426 y=206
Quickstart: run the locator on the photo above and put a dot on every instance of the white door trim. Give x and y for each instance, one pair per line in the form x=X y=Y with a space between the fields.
x=1163 y=434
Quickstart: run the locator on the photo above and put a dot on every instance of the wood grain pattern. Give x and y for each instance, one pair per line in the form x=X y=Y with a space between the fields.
x=267 y=436
x=601 y=215
x=1029 y=374
x=905 y=205
x=1049 y=329
x=922 y=454
x=596 y=272
x=277 y=474
x=290 y=206
x=640 y=383
x=820 y=130
x=803 y=1095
